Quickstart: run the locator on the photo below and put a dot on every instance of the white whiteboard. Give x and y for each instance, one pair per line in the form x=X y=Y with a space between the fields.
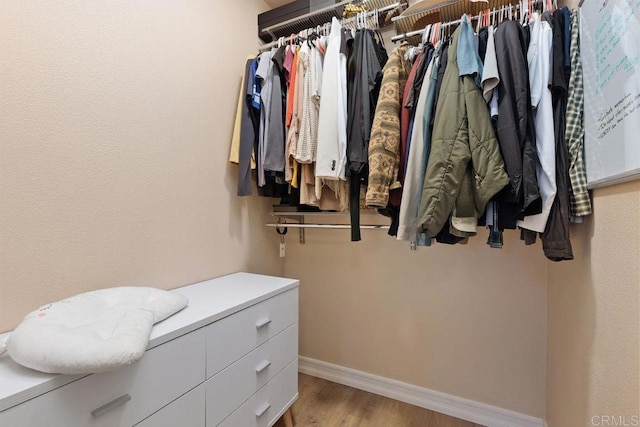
x=610 y=51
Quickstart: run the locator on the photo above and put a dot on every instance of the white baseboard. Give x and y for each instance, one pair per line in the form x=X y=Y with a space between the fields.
x=480 y=413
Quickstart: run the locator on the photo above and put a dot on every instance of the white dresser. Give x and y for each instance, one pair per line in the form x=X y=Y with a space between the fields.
x=228 y=359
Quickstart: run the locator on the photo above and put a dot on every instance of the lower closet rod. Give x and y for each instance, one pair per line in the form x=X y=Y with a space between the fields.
x=330 y=226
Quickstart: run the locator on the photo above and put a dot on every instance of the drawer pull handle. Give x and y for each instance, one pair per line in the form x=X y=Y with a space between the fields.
x=263 y=323
x=264 y=365
x=113 y=404
x=264 y=408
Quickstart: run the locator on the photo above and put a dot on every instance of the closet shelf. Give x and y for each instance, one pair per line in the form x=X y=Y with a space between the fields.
x=325 y=15
x=428 y=12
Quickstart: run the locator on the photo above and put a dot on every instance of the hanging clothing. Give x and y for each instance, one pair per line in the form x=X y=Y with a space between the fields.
x=294 y=103
x=418 y=155
x=234 y=152
x=406 y=123
x=463 y=145
x=332 y=132
x=469 y=62
x=251 y=132
x=248 y=124
x=410 y=105
x=326 y=200
x=483 y=40
x=490 y=75
x=365 y=75
x=289 y=55
x=292 y=84
x=515 y=127
x=406 y=113
x=579 y=195
x=555 y=239
x=464 y=218
x=384 y=147
x=307 y=140
x=264 y=73
x=539 y=60
x=274 y=139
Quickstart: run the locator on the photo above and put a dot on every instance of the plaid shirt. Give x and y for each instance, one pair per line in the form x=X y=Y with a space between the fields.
x=579 y=195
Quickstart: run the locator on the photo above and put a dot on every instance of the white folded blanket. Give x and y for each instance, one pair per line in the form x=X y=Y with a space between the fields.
x=92 y=332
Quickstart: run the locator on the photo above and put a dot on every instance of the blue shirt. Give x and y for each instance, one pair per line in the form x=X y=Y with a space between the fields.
x=469 y=62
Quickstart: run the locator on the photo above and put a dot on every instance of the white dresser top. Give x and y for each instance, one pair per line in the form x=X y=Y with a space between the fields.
x=209 y=301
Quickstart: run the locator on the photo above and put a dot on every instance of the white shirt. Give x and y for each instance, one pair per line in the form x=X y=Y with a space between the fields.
x=331 y=154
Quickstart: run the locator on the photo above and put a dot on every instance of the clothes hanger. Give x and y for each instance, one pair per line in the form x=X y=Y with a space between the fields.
x=436 y=33
x=427 y=34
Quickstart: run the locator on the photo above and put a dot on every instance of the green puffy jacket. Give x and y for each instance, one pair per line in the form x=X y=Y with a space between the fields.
x=465 y=168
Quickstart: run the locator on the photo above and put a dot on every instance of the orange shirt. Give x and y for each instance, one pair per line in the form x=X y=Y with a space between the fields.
x=292 y=85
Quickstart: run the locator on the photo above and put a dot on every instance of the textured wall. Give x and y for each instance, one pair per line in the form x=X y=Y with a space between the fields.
x=594 y=317
x=466 y=320
x=115 y=122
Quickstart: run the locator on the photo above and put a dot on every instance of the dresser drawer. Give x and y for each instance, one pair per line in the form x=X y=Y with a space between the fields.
x=119 y=398
x=233 y=385
x=234 y=336
x=187 y=411
x=263 y=408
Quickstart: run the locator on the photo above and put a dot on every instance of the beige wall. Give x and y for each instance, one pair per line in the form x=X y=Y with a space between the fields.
x=594 y=316
x=469 y=321
x=115 y=121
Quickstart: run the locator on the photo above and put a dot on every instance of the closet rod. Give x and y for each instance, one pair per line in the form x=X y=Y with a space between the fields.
x=404 y=36
x=329 y=226
x=343 y=21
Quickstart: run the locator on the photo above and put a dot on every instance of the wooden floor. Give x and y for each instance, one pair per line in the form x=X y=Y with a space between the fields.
x=327 y=404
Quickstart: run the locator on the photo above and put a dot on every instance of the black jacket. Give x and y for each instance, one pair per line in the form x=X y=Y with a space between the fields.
x=515 y=127
x=364 y=71
x=555 y=239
